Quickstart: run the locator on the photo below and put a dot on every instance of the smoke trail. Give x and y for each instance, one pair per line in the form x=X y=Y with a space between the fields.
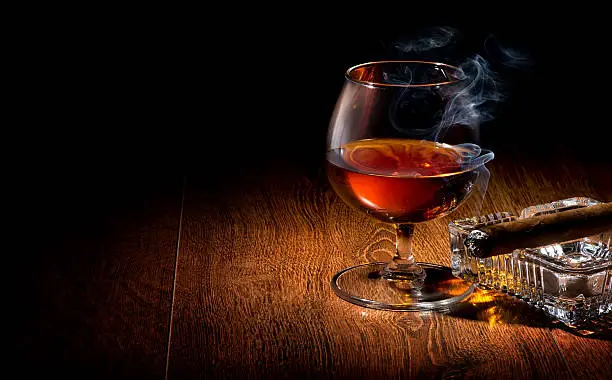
x=402 y=77
x=472 y=97
x=480 y=87
x=431 y=38
x=508 y=57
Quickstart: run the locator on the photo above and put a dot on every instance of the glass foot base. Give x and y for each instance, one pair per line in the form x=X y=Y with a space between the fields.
x=364 y=285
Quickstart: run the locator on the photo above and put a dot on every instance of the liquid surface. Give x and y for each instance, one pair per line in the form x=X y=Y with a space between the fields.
x=401 y=181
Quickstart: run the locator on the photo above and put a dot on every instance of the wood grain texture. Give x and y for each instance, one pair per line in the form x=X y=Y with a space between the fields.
x=586 y=358
x=96 y=276
x=253 y=296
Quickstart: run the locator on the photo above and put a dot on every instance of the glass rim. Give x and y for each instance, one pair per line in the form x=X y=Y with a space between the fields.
x=349 y=77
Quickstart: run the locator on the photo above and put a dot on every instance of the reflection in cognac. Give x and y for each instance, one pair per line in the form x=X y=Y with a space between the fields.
x=401 y=181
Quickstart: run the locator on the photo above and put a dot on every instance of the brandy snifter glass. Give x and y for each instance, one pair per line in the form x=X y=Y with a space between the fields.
x=395 y=153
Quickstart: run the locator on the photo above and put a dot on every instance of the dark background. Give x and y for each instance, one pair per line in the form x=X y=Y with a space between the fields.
x=110 y=102
x=105 y=101
x=175 y=92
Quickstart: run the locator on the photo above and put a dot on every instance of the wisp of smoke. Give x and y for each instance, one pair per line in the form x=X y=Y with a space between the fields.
x=404 y=77
x=471 y=97
x=433 y=38
x=508 y=57
x=478 y=87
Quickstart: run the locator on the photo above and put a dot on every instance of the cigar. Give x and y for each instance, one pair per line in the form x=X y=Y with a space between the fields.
x=539 y=231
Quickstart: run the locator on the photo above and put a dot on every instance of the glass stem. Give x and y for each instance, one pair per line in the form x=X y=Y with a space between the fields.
x=403 y=268
x=403 y=244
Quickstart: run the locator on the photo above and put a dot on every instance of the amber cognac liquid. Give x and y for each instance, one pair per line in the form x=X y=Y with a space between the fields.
x=400 y=181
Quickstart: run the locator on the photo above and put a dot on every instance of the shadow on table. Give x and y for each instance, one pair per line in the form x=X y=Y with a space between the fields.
x=497 y=308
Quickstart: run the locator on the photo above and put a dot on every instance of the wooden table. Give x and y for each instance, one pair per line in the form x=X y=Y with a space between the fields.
x=191 y=277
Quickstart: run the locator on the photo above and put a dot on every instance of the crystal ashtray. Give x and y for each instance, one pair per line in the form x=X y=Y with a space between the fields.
x=571 y=281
